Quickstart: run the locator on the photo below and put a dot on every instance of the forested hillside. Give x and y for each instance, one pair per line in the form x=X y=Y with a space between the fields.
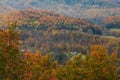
x=112 y=24
x=57 y=34
x=59 y=40
x=97 y=64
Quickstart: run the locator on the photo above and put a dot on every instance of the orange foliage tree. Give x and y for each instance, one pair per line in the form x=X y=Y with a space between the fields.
x=97 y=65
x=38 y=67
x=10 y=61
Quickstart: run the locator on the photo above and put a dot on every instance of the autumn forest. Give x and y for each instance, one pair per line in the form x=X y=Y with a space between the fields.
x=40 y=44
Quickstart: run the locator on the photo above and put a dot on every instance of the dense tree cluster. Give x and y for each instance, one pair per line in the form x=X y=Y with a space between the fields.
x=112 y=24
x=97 y=64
x=112 y=21
x=58 y=34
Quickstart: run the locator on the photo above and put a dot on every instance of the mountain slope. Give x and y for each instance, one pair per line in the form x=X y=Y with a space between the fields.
x=5 y=9
x=74 y=8
x=100 y=3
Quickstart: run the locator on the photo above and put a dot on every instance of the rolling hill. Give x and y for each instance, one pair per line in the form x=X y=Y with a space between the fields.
x=49 y=19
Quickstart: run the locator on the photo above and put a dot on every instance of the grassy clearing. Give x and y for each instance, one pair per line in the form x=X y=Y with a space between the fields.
x=108 y=36
x=118 y=30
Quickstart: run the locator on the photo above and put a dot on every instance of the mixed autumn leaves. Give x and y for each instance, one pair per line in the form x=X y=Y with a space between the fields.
x=16 y=65
x=55 y=33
